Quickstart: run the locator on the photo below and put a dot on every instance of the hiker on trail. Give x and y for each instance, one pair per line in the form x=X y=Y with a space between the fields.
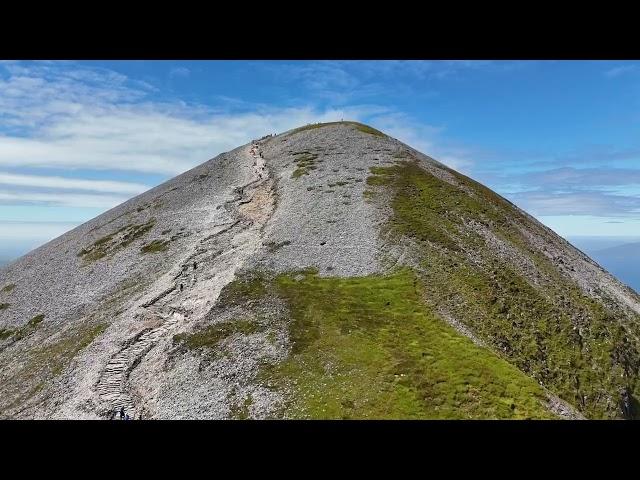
x=140 y=417
x=126 y=417
x=181 y=287
x=195 y=265
x=121 y=413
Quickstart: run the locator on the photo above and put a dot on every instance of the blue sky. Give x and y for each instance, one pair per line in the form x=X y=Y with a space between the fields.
x=558 y=138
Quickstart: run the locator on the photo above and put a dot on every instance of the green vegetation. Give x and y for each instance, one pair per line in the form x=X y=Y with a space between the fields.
x=211 y=336
x=58 y=354
x=305 y=162
x=537 y=318
x=245 y=289
x=36 y=320
x=155 y=246
x=115 y=241
x=273 y=246
x=6 y=333
x=22 y=332
x=8 y=288
x=241 y=412
x=387 y=356
x=360 y=126
x=367 y=347
x=4 y=306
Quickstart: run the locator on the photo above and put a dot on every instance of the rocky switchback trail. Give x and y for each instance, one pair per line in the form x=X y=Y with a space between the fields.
x=194 y=288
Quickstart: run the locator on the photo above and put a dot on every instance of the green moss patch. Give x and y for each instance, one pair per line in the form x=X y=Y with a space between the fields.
x=273 y=246
x=8 y=288
x=115 y=241
x=155 y=246
x=4 y=306
x=210 y=337
x=6 y=333
x=35 y=321
x=24 y=331
x=305 y=162
x=246 y=289
x=241 y=411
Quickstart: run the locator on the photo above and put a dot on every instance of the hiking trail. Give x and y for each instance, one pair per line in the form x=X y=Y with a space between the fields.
x=196 y=286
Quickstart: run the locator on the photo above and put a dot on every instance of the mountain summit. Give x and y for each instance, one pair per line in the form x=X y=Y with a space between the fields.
x=327 y=272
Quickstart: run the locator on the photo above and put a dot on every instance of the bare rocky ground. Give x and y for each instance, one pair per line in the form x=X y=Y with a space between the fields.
x=116 y=290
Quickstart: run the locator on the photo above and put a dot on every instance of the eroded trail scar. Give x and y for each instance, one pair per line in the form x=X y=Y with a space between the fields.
x=194 y=286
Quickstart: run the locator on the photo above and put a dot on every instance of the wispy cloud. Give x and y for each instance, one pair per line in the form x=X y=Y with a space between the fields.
x=50 y=182
x=425 y=138
x=618 y=71
x=179 y=72
x=571 y=178
x=62 y=199
x=593 y=203
x=340 y=82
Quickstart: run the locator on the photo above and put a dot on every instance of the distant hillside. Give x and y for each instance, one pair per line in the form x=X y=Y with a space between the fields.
x=327 y=272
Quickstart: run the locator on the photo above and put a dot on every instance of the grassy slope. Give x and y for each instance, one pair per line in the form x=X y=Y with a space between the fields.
x=552 y=331
x=369 y=348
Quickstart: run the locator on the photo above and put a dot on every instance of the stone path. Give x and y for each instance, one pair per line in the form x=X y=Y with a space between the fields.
x=192 y=292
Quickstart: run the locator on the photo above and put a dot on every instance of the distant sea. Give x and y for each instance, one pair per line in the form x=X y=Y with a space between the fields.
x=620 y=256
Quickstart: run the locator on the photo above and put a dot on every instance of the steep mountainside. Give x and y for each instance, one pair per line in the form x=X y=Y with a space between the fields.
x=327 y=272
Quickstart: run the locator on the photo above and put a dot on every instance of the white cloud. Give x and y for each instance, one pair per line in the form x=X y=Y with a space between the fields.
x=150 y=138
x=63 y=199
x=71 y=183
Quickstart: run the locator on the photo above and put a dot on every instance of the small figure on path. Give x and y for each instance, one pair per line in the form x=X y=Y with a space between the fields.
x=181 y=287
x=195 y=265
x=126 y=417
x=121 y=413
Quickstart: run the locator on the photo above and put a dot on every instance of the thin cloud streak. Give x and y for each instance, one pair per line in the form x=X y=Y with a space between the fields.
x=63 y=183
